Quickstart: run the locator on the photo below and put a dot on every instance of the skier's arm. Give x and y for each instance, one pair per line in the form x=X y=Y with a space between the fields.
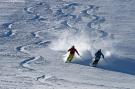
x=77 y=52
x=69 y=50
x=102 y=55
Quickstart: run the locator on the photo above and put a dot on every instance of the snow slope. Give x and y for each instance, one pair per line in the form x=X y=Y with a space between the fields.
x=36 y=34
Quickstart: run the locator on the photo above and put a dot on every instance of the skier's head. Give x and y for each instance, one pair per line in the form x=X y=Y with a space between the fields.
x=99 y=50
x=73 y=46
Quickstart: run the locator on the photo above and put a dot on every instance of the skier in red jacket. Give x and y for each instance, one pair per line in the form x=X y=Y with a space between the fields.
x=72 y=51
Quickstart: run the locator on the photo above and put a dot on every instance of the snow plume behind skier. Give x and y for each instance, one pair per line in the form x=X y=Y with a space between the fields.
x=83 y=41
x=67 y=39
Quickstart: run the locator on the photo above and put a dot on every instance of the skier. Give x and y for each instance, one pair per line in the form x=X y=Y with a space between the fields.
x=98 y=55
x=72 y=51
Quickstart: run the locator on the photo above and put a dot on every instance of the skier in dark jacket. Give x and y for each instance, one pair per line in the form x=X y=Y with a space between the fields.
x=98 y=55
x=72 y=51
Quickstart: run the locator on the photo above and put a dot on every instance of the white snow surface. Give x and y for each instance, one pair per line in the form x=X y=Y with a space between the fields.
x=36 y=34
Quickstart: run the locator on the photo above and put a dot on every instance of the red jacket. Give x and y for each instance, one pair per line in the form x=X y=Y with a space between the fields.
x=72 y=51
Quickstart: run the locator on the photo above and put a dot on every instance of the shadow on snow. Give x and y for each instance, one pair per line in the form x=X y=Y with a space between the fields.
x=114 y=63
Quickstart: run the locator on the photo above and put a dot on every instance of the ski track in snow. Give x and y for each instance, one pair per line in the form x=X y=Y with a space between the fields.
x=51 y=80
x=36 y=34
x=23 y=49
x=95 y=22
x=62 y=14
x=24 y=64
x=37 y=15
x=7 y=27
x=103 y=33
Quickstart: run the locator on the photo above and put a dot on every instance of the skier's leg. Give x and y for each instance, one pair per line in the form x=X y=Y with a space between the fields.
x=68 y=58
x=93 y=62
x=96 y=62
x=71 y=57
